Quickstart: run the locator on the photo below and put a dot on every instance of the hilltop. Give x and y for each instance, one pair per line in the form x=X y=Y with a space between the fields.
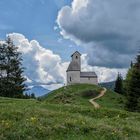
x=67 y=114
x=80 y=94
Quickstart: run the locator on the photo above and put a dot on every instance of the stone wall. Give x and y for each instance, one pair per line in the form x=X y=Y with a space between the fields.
x=90 y=80
x=73 y=77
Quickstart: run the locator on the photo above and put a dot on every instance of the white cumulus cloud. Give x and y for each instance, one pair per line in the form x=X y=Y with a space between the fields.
x=104 y=74
x=41 y=65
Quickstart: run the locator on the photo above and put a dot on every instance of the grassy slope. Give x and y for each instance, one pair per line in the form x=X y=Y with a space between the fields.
x=67 y=114
x=112 y=100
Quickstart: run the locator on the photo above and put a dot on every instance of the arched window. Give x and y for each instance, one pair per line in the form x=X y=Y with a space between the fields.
x=70 y=79
x=76 y=57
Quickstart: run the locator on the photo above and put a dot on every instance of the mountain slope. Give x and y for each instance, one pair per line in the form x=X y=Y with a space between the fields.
x=108 y=85
x=38 y=91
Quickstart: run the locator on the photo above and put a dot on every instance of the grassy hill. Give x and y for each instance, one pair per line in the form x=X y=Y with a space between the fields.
x=67 y=114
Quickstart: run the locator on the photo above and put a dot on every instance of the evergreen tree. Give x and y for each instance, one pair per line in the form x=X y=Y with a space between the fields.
x=2 y=68
x=131 y=65
x=26 y=96
x=133 y=86
x=13 y=80
x=119 y=84
x=33 y=96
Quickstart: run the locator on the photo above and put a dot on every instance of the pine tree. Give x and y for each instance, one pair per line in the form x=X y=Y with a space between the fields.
x=119 y=84
x=33 y=96
x=133 y=86
x=26 y=96
x=2 y=68
x=131 y=65
x=13 y=81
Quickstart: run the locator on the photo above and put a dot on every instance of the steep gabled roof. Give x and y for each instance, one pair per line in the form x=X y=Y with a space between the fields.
x=88 y=74
x=75 y=53
x=74 y=66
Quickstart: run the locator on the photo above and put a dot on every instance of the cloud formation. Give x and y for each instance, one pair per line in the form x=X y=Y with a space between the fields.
x=109 y=29
x=104 y=74
x=42 y=65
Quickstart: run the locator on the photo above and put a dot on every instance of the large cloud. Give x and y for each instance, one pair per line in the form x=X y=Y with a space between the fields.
x=109 y=29
x=42 y=65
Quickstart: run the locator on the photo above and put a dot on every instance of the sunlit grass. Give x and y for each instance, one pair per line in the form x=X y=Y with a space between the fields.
x=72 y=120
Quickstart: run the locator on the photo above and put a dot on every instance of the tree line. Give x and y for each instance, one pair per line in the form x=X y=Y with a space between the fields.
x=12 y=80
x=130 y=87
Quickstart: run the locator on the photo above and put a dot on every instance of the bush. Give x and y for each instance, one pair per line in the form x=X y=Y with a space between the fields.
x=89 y=93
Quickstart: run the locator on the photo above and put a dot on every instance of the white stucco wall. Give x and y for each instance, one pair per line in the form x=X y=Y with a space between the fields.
x=74 y=76
x=86 y=80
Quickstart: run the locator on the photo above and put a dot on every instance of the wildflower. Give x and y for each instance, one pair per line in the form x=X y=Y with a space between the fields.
x=6 y=124
x=33 y=119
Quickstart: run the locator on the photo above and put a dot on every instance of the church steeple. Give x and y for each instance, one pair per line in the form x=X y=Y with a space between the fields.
x=75 y=64
x=76 y=57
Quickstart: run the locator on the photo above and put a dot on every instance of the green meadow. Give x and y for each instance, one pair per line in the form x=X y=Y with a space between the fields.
x=66 y=114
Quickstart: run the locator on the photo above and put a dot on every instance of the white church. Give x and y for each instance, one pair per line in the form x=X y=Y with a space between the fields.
x=75 y=75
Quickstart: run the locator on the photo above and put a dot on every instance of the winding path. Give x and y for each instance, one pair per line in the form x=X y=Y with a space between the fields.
x=92 y=101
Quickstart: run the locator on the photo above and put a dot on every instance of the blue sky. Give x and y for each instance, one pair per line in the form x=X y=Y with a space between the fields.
x=36 y=19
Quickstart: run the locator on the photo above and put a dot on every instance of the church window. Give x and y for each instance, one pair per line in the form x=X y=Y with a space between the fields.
x=76 y=57
x=70 y=78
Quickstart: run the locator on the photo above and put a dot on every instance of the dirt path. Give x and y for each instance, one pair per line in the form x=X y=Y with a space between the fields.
x=92 y=101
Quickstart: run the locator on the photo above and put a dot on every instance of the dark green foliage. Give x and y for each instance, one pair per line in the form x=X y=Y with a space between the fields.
x=90 y=94
x=11 y=71
x=32 y=96
x=119 y=84
x=26 y=96
x=29 y=96
x=131 y=65
x=133 y=87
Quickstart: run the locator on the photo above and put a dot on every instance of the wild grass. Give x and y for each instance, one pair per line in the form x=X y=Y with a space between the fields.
x=76 y=119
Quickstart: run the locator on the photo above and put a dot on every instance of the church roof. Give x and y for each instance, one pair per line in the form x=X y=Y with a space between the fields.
x=74 y=66
x=75 y=53
x=88 y=74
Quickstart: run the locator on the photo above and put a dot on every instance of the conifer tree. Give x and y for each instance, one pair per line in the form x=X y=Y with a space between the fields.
x=33 y=96
x=131 y=65
x=13 y=81
x=119 y=84
x=133 y=86
x=2 y=68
